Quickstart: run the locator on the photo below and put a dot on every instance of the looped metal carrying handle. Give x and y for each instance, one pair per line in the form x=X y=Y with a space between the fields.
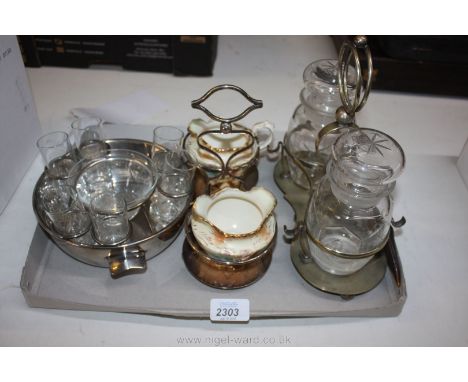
x=345 y=114
x=349 y=51
x=226 y=123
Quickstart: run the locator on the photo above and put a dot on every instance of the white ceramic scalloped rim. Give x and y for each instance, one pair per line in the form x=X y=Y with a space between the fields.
x=232 y=248
x=263 y=200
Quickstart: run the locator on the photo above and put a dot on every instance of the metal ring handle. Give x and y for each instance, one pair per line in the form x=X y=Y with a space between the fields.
x=226 y=122
x=348 y=51
x=370 y=71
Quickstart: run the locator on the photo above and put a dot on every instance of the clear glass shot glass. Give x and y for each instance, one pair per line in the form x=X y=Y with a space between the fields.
x=164 y=209
x=109 y=217
x=57 y=154
x=88 y=137
x=170 y=138
x=64 y=209
x=177 y=175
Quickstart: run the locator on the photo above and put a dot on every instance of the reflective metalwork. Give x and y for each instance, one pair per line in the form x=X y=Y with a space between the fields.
x=227 y=175
x=143 y=243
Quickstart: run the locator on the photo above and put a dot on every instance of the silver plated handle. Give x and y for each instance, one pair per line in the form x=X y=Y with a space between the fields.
x=226 y=123
x=345 y=114
x=126 y=261
x=350 y=50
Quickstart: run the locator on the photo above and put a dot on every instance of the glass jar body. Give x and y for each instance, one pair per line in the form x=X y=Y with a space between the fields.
x=319 y=98
x=300 y=144
x=345 y=226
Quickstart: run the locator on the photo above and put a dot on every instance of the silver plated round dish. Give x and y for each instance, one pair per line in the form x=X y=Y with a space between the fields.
x=145 y=241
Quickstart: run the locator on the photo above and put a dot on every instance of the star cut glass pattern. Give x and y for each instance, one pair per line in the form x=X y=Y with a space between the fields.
x=370 y=145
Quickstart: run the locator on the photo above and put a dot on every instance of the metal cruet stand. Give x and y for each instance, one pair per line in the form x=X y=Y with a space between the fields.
x=368 y=277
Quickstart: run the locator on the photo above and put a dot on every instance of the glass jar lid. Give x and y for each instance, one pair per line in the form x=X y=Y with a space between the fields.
x=325 y=73
x=369 y=156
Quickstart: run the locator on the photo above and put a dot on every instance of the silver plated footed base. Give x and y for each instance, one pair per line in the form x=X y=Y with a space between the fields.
x=348 y=286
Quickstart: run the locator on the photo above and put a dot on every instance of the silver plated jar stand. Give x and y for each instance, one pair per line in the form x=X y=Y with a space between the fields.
x=300 y=195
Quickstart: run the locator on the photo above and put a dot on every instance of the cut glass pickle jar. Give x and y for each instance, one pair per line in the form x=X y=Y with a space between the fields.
x=349 y=214
x=320 y=98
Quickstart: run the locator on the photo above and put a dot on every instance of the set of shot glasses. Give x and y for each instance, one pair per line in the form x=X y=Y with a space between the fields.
x=105 y=216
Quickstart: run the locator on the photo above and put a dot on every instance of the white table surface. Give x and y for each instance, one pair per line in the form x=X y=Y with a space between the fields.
x=433 y=245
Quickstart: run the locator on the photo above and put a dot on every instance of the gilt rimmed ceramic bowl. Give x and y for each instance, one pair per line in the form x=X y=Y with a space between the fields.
x=233 y=225
x=234 y=213
x=230 y=249
x=224 y=274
